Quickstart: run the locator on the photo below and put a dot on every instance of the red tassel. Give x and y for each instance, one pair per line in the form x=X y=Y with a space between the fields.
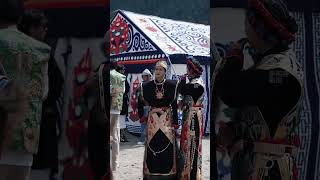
x=296 y=141
x=295 y=172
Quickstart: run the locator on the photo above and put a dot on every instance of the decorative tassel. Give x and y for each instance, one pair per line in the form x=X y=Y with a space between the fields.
x=295 y=172
x=296 y=141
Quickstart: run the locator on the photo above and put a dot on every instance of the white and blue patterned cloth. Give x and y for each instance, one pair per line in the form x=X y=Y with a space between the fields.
x=3 y=82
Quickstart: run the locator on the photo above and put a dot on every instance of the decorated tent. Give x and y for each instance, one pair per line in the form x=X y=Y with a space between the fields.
x=139 y=41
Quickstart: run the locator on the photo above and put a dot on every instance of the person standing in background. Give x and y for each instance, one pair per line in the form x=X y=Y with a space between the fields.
x=98 y=101
x=143 y=107
x=97 y=95
x=34 y=23
x=25 y=62
x=117 y=83
x=124 y=110
x=192 y=127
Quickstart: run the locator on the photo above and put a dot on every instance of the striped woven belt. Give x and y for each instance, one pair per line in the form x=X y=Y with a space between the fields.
x=276 y=149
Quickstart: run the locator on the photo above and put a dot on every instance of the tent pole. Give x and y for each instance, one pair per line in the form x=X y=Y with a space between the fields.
x=174 y=72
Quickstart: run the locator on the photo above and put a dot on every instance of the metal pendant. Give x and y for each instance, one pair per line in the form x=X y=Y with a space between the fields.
x=159 y=95
x=154 y=154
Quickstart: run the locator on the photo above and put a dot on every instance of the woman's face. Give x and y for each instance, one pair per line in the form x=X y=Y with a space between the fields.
x=159 y=72
x=146 y=78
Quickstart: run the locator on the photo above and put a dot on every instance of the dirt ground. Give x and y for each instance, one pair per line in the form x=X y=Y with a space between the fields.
x=131 y=158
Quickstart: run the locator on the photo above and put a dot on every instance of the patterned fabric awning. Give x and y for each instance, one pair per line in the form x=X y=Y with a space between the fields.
x=141 y=37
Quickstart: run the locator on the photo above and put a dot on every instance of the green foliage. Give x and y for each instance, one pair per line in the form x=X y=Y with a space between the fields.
x=196 y=11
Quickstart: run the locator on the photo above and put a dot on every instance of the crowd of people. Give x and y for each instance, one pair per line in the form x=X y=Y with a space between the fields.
x=158 y=113
x=257 y=109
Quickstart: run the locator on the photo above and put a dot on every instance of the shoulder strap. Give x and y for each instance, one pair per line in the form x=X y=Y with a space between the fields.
x=101 y=89
x=141 y=89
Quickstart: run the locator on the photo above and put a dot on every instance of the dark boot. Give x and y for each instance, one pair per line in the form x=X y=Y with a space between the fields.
x=123 y=137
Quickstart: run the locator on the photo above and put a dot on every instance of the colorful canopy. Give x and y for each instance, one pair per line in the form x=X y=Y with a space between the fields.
x=136 y=37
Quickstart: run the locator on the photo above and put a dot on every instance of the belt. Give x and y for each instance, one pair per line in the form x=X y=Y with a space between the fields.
x=264 y=148
x=276 y=149
x=200 y=106
x=196 y=107
x=163 y=108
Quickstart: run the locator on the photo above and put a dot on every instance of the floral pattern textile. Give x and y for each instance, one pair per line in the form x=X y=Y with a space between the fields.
x=25 y=61
x=117 y=82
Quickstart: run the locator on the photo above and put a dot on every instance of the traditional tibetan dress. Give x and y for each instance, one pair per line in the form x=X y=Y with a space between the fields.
x=192 y=129
x=160 y=149
x=264 y=143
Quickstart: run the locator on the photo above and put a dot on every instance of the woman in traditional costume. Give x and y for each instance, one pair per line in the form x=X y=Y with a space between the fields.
x=262 y=101
x=192 y=128
x=160 y=151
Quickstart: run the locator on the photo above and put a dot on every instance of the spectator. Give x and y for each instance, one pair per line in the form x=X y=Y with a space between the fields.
x=34 y=23
x=25 y=62
x=117 y=82
x=124 y=110
x=143 y=107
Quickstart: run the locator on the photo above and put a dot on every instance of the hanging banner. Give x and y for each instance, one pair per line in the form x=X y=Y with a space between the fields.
x=77 y=59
